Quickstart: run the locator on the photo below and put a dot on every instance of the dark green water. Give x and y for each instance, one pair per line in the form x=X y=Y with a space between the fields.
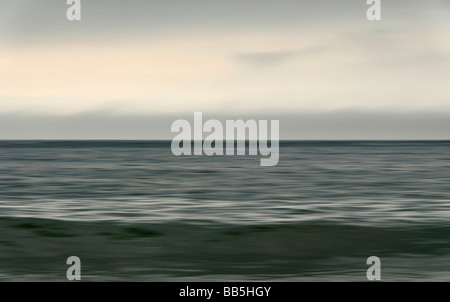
x=133 y=211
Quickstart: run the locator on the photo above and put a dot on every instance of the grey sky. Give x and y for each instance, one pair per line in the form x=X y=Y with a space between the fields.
x=308 y=126
x=165 y=58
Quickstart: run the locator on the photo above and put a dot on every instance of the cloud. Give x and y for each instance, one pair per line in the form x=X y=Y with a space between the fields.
x=276 y=57
x=264 y=59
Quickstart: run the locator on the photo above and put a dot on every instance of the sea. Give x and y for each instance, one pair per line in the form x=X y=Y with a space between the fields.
x=132 y=211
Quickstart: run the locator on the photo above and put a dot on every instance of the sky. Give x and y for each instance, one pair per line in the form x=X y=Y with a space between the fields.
x=128 y=69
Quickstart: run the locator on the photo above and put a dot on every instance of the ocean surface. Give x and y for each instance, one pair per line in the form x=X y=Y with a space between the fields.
x=132 y=211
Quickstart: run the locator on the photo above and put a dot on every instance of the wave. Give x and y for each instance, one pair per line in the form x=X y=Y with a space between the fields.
x=125 y=251
x=311 y=234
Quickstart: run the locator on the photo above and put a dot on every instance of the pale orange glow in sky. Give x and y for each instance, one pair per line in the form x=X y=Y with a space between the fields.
x=128 y=68
x=341 y=63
